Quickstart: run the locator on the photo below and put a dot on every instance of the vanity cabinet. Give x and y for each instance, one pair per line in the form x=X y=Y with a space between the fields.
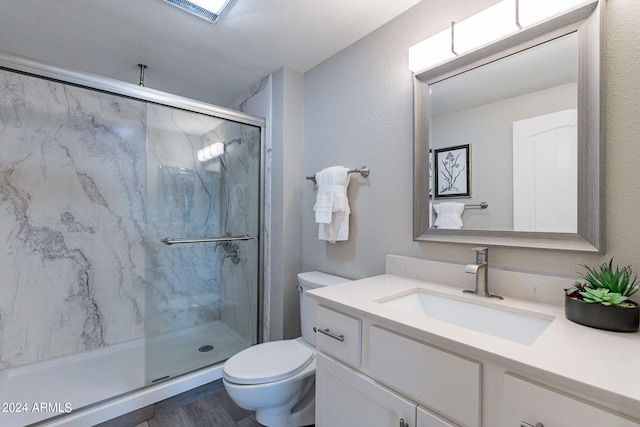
x=346 y=397
x=368 y=375
x=381 y=364
x=526 y=403
x=392 y=381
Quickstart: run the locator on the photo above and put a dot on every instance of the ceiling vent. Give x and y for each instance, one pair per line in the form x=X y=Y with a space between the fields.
x=211 y=10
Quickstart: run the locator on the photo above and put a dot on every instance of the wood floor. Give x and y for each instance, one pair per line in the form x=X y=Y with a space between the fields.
x=205 y=406
x=216 y=410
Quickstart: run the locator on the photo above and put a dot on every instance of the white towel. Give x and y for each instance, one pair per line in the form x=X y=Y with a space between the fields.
x=332 y=206
x=449 y=215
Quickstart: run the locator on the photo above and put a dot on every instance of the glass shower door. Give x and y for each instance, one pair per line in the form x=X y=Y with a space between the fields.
x=203 y=220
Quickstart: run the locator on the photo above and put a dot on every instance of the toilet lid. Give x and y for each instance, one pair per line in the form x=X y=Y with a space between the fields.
x=267 y=362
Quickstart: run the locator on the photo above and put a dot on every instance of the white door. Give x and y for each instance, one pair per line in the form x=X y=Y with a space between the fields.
x=545 y=173
x=346 y=398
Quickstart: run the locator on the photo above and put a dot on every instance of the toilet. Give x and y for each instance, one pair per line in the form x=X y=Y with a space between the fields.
x=277 y=379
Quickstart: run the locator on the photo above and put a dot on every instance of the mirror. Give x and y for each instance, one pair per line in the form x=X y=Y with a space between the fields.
x=517 y=116
x=507 y=148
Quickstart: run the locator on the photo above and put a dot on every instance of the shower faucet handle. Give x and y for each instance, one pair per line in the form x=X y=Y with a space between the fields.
x=233 y=253
x=226 y=246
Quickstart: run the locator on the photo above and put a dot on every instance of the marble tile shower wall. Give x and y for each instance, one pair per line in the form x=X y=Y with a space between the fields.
x=85 y=190
x=241 y=216
x=72 y=190
x=257 y=102
x=195 y=284
x=183 y=200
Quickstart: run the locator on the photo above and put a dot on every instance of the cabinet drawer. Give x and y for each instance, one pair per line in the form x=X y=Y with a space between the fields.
x=339 y=335
x=446 y=383
x=525 y=401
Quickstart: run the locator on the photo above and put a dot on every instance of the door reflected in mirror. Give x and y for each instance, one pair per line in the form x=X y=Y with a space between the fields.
x=518 y=114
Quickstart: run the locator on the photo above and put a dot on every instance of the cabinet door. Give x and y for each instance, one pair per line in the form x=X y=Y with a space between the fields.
x=345 y=397
x=530 y=403
x=448 y=383
x=427 y=419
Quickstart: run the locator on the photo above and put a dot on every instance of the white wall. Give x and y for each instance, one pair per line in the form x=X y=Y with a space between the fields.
x=358 y=111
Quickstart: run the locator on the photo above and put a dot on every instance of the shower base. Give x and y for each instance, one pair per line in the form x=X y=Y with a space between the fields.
x=97 y=385
x=171 y=354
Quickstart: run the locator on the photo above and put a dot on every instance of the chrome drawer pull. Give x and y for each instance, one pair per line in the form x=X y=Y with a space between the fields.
x=525 y=424
x=331 y=334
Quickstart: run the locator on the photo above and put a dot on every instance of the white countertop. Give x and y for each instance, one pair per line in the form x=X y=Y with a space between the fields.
x=603 y=364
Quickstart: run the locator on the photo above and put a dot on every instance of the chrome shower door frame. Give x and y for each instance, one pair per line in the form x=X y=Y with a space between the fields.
x=14 y=63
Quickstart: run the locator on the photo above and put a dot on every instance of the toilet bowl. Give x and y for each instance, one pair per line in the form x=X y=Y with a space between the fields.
x=277 y=379
x=274 y=392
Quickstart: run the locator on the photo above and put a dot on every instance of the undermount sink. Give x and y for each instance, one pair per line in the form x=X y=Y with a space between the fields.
x=518 y=326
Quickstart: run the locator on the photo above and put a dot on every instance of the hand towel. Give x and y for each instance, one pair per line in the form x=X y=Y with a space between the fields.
x=338 y=230
x=332 y=206
x=449 y=215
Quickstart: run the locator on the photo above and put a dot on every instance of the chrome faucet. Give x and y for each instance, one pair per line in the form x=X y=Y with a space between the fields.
x=480 y=269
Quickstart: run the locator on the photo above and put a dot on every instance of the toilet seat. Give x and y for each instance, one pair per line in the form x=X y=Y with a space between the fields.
x=268 y=362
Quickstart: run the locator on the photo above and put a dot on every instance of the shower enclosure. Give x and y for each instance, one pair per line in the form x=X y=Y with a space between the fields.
x=203 y=224
x=130 y=222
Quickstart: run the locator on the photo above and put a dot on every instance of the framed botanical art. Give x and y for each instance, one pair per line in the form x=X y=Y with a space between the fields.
x=452 y=172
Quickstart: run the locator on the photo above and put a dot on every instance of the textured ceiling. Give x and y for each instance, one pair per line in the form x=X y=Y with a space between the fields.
x=186 y=55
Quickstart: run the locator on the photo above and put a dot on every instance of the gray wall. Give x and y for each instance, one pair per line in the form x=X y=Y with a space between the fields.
x=489 y=130
x=286 y=213
x=358 y=110
x=278 y=98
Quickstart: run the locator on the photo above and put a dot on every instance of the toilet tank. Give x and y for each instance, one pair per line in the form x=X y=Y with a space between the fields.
x=306 y=282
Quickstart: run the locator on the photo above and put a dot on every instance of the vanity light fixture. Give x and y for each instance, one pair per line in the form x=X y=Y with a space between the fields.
x=211 y=151
x=210 y=10
x=489 y=25
x=497 y=22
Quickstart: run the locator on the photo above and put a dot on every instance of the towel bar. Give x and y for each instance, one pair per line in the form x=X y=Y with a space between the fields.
x=172 y=241
x=482 y=205
x=363 y=171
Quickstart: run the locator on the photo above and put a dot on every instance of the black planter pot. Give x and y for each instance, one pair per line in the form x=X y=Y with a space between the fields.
x=600 y=316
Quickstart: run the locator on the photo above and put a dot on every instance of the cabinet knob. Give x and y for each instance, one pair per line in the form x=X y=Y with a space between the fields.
x=526 y=424
x=402 y=423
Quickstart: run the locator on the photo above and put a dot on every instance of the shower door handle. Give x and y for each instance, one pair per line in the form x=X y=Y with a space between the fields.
x=172 y=241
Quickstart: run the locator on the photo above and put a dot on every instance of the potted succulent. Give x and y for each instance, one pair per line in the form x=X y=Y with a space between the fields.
x=601 y=299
